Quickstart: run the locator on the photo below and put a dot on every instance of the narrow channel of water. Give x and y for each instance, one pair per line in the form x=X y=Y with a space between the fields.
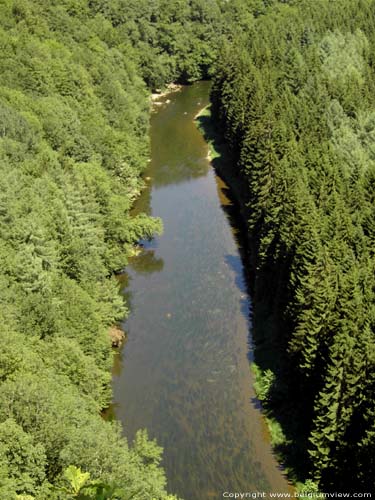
x=184 y=371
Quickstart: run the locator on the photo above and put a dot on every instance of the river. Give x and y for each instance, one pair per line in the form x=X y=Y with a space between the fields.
x=184 y=372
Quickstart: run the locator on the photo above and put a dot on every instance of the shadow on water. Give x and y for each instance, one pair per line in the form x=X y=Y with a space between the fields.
x=265 y=348
x=185 y=373
x=236 y=264
x=146 y=262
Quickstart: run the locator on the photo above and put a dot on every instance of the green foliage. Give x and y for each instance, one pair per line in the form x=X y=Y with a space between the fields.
x=263 y=382
x=307 y=490
x=76 y=478
x=74 y=141
x=173 y=40
x=294 y=96
x=24 y=460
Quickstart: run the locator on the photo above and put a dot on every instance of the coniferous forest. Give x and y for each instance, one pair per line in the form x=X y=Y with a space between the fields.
x=74 y=113
x=294 y=97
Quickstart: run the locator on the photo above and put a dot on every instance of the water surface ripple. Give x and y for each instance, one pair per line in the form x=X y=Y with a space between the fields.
x=184 y=372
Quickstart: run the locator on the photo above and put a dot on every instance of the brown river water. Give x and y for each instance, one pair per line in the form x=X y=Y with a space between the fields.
x=184 y=372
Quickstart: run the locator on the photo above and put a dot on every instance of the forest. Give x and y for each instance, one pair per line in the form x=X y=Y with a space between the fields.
x=294 y=95
x=74 y=85
x=295 y=98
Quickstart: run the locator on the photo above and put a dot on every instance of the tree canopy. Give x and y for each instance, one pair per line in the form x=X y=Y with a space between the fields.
x=294 y=95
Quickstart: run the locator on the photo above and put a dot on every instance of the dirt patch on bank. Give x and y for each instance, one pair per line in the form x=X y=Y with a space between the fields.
x=117 y=336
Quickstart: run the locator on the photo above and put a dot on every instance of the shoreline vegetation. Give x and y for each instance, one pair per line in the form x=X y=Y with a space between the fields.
x=220 y=156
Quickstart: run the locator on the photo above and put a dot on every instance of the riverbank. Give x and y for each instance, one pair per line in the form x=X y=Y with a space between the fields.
x=160 y=93
x=220 y=157
x=265 y=323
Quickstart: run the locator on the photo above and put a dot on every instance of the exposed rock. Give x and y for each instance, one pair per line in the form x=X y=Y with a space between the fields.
x=158 y=94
